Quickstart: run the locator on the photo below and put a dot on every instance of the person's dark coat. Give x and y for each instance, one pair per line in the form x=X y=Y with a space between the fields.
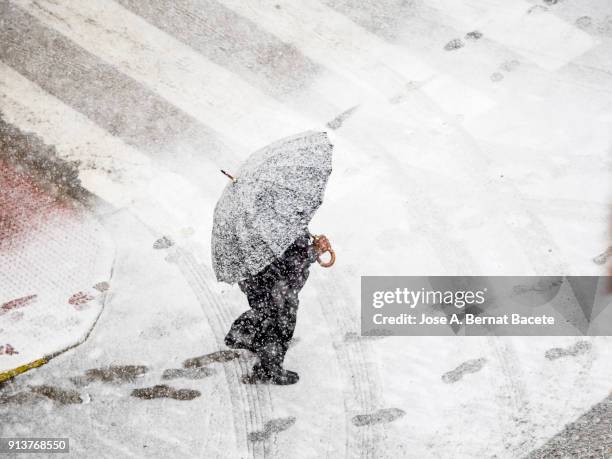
x=267 y=328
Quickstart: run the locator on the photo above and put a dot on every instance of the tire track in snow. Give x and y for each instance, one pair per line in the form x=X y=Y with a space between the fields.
x=579 y=382
x=251 y=404
x=513 y=379
x=353 y=360
x=514 y=386
x=519 y=422
x=516 y=408
x=518 y=425
x=542 y=263
x=363 y=396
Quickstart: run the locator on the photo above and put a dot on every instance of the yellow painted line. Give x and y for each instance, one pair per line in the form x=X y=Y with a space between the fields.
x=22 y=369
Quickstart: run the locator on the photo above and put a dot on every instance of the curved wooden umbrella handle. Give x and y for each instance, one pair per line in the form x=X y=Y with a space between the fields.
x=322 y=245
x=332 y=260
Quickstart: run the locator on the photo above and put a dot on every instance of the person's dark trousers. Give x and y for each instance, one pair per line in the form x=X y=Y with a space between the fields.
x=267 y=328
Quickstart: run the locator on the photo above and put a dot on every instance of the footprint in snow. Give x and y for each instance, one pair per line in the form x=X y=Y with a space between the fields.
x=454 y=44
x=337 y=122
x=384 y=415
x=537 y=9
x=57 y=394
x=473 y=35
x=188 y=373
x=20 y=398
x=102 y=286
x=114 y=374
x=214 y=357
x=510 y=65
x=38 y=393
x=584 y=22
x=603 y=257
x=163 y=243
x=164 y=391
x=579 y=348
x=273 y=426
x=17 y=303
x=470 y=366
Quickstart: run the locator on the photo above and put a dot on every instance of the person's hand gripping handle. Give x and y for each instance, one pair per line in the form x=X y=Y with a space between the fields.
x=322 y=245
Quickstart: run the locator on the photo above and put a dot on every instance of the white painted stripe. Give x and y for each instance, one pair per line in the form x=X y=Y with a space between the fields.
x=457 y=98
x=218 y=98
x=333 y=40
x=162 y=199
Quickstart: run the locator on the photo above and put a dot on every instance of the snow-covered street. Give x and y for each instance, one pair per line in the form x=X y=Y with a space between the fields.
x=470 y=138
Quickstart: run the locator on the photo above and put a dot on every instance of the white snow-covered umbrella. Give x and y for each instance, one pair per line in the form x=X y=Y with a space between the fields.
x=269 y=203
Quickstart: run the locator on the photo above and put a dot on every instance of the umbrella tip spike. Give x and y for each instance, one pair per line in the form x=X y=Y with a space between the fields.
x=231 y=177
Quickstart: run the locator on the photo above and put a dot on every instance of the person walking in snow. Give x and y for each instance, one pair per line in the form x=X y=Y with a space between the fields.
x=267 y=328
x=260 y=240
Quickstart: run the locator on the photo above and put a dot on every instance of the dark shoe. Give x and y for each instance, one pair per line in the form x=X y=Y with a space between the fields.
x=284 y=378
x=278 y=376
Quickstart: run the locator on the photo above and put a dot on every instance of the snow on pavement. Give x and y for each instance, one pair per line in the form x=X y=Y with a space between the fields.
x=454 y=154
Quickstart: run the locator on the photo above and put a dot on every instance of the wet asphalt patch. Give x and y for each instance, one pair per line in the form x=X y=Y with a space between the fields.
x=26 y=152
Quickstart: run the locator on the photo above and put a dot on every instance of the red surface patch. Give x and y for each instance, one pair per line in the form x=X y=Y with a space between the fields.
x=25 y=206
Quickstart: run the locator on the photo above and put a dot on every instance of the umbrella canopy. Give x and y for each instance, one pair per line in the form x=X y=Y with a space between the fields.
x=269 y=204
